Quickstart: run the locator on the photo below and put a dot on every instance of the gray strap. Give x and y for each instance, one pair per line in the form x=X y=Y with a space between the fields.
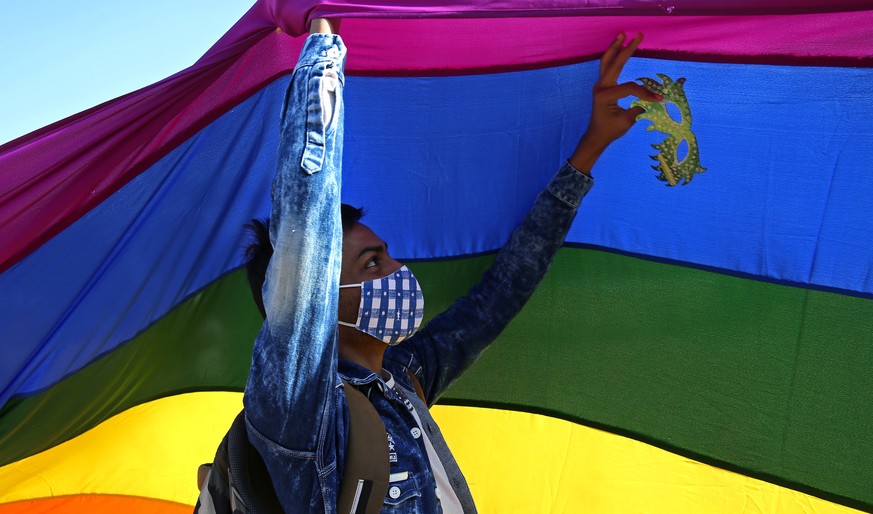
x=459 y=483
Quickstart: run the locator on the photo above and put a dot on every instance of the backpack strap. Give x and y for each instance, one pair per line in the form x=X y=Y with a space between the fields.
x=238 y=481
x=251 y=488
x=416 y=386
x=365 y=478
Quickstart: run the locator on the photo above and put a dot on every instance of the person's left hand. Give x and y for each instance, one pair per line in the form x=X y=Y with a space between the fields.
x=609 y=121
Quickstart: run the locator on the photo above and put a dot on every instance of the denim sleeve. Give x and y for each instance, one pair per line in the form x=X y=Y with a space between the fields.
x=452 y=341
x=289 y=398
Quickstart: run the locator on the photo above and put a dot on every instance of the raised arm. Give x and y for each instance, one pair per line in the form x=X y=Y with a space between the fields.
x=288 y=396
x=450 y=343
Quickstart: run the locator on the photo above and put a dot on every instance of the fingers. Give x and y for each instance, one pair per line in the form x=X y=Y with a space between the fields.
x=614 y=93
x=633 y=112
x=610 y=52
x=615 y=57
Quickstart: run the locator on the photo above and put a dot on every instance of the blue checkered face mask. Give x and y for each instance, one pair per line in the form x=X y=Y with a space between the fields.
x=391 y=308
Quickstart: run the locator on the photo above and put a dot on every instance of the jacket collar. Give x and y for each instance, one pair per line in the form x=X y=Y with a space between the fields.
x=365 y=379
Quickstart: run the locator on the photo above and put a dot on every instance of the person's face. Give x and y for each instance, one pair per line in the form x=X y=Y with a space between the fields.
x=365 y=257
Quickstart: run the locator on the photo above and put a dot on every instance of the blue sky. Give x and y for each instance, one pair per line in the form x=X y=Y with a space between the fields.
x=58 y=58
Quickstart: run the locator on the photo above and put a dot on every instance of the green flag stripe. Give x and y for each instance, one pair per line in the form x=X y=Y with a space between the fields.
x=766 y=378
x=204 y=344
x=770 y=379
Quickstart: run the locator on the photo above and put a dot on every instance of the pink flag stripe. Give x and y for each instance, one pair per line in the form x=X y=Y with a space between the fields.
x=467 y=39
x=53 y=176
x=453 y=47
x=287 y=13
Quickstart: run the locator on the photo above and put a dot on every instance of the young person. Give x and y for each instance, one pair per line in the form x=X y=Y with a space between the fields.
x=339 y=307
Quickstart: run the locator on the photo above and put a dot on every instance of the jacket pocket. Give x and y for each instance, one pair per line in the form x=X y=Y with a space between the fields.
x=322 y=111
x=403 y=494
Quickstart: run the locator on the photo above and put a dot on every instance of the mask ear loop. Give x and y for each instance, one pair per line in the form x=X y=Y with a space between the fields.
x=346 y=323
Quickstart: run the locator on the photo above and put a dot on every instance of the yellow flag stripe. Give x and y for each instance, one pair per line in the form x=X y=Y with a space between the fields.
x=151 y=450
x=514 y=462
x=521 y=462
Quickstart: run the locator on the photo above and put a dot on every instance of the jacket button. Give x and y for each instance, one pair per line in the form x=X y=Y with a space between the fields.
x=394 y=492
x=416 y=432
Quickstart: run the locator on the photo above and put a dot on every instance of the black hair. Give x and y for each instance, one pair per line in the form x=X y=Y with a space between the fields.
x=350 y=215
x=258 y=254
x=259 y=250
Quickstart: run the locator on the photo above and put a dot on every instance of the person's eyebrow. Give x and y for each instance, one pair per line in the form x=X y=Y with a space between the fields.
x=375 y=248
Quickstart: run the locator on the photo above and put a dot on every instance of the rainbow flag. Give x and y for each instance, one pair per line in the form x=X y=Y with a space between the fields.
x=703 y=348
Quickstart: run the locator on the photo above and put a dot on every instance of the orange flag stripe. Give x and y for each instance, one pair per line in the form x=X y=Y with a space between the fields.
x=95 y=504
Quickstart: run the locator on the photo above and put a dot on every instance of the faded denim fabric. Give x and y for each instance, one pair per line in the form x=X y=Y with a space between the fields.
x=452 y=341
x=295 y=405
x=292 y=403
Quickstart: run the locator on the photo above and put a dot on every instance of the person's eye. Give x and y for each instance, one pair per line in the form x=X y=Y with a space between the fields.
x=370 y=263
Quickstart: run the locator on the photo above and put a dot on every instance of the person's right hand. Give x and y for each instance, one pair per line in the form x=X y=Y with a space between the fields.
x=324 y=26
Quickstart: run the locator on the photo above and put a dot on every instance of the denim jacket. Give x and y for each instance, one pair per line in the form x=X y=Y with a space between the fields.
x=296 y=411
